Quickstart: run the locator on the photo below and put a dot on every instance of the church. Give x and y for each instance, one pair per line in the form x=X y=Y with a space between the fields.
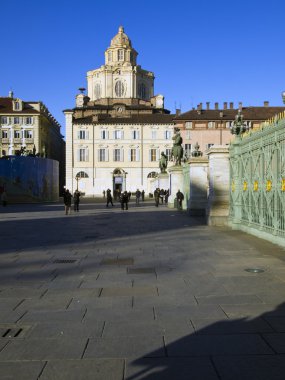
x=118 y=129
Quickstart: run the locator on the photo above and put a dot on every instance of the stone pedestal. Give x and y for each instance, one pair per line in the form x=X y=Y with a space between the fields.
x=163 y=181
x=219 y=183
x=198 y=192
x=175 y=183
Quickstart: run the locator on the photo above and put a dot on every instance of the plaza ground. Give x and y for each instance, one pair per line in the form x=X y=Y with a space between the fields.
x=148 y=293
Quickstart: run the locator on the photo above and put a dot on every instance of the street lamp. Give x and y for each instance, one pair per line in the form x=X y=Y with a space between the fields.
x=239 y=126
x=77 y=178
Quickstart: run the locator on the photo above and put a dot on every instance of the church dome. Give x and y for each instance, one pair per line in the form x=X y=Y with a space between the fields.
x=121 y=39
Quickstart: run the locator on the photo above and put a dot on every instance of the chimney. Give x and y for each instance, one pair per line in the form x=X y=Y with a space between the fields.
x=221 y=114
x=178 y=111
x=231 y=105
x=266 y=103
x=201 y=106
x=216 y=106
x=208 y=105
x=240 y=105
x=225 y=105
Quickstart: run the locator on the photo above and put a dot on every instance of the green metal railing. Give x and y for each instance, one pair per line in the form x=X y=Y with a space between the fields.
x=257 y=175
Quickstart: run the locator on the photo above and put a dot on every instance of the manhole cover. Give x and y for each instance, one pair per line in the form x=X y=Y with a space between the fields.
x=254 y=270
x=116 y=261
x=64 y=261
x=140 y=270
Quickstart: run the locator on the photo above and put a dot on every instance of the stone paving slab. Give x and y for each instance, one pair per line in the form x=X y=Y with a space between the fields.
x=189 y=311
x=120 y=303
x=259 y=367
x=24 y=370
x=171 y=369
x=43 y=349
x=276 y=341
x=53 y=316
x=95 y=369
x=46 y=303
x=125 y=347
x=236 y=299
x=126 y=292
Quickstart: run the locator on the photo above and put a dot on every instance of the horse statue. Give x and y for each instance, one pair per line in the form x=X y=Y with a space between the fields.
x=177 y=149
x=163 y=163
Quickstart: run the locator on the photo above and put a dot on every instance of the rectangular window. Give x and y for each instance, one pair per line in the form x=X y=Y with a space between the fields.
x=168 y=153
x=118 y=135
x=153 y=155
x=211 y=124
x=17 y=134
x=28 y=120
x=153 y=135
x=17 y=105
x=104 y=134
x=120 y=55
x=16 y=120
x=28 y=134
x=4 y=120
x=188 y=135
x=208 y=146
x=188 y=150
x=188 y=124
x=83 y=154
x=167 y=135
x=102 y=155
x=117 y=155
x=4 y=134
x=83 y=135
x=135 y=135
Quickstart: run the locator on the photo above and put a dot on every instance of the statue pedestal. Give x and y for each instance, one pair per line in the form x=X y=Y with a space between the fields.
x=175 y=183
x=163 y=181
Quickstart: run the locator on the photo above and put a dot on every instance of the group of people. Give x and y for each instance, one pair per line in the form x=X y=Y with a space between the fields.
x=123 y=197
x=160 y=195
x=67 y=200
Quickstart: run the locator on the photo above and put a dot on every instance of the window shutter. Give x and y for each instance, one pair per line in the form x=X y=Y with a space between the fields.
x=106 y=154
x=87 y=154
x=122 y=154
x=114 y=135
x=149 y=155
x=78 y=154
x=122 y=135
x=87 y=135
x=113 y=154
x=107 y=134
x=137 y=154
x=78 y=134
x=129 y=155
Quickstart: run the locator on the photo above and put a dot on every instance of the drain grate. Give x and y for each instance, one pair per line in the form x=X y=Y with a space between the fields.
x=140 y=270
x=254 y=270
x=64 y=261
x=117 y=261
x=13 y=331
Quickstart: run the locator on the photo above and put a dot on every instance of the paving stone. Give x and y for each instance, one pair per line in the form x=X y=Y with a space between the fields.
x=189 y=312
x=277 y=323
x=261 y=367
x=53 y=316
x=101 y=303
x=19 y=292
x=28 y=370
x=99 y=369
x=125 y=292
x=125 y=314
x=226 y=326
x=237 y=299
x=170 y=369
x=46 y=303
x=201 y=345
x=44 y=349
x=264 y=310
x=276 y=341
x=66 y=330
x=125 y=347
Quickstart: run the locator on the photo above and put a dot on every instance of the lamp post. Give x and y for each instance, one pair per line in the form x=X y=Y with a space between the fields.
x=239 y=126
x=77 y=178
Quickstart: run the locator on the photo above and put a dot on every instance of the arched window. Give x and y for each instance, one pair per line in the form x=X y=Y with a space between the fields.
x=82 y=175
x=120 y=55
x=119 y=88
x=152 y=175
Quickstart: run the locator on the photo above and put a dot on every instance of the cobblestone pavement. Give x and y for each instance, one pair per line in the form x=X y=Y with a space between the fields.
x=147 y=293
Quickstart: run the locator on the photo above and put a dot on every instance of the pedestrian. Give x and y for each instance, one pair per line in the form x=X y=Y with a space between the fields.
x=166 y=196
x=109 y=198
x=67 y=201
x=156 y=196
x=76 y=200
x=129 y=195
x=138 y=195
x=161 y=195
x=143 y=195
x=104 y=194
x=4 y=198
x=179 y=197
x=124 y=200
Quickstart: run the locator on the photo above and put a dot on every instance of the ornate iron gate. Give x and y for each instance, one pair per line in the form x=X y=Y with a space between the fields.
x=257 y=170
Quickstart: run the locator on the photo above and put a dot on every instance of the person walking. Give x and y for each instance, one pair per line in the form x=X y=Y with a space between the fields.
x=76 y=200
x=180 y=198
x=138 y=195
x=143 y=195
x=124 y=200
x=109 y=198
x=166 y=196
x=67 y=202
x=156 y=196
x=104 y=194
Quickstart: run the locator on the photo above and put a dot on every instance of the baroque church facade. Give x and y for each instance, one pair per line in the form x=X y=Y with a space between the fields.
x=118 y=130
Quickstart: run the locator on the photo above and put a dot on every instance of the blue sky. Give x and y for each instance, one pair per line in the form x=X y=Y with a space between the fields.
x=199 y=50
